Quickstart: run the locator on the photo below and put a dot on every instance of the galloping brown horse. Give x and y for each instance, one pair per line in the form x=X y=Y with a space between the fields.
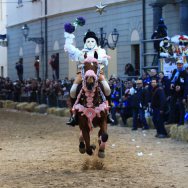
x=91 y=108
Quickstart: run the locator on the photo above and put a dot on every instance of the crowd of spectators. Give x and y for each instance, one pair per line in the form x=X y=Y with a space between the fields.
x=151 y=94
x=54 y=93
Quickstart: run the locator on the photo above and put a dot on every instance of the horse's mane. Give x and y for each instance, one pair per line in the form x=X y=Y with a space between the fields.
x=91 y=63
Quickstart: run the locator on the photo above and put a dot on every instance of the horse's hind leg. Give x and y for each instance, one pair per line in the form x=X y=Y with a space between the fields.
x=82 y=147
x=103 y=137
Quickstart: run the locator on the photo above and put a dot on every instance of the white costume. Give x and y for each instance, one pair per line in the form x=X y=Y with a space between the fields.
x=78 y=55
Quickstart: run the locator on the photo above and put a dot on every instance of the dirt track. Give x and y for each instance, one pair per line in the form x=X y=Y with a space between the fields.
x=41 y=151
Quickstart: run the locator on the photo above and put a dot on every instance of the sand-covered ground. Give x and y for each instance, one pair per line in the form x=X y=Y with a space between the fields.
x=42 y=151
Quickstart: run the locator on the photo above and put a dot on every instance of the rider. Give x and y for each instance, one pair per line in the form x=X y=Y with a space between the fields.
x=91 y=47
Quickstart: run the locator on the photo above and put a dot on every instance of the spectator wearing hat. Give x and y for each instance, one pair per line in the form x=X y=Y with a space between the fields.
x=159 y=33
x=177 y=109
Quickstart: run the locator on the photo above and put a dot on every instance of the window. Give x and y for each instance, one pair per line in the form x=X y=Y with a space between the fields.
x=20 y=3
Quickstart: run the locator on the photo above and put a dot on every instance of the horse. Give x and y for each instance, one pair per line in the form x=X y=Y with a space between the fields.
x=91 y=108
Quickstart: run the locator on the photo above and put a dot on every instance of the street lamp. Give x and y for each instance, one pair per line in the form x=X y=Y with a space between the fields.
x=25 y=32
x=114 y=39
x=37 y=40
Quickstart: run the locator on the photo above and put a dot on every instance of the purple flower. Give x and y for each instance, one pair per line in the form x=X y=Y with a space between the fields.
x=80 y=21
x=69 y=28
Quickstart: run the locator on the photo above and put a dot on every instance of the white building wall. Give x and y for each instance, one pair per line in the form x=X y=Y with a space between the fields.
x=3 y=50
x=125 y=15
x=35 y=10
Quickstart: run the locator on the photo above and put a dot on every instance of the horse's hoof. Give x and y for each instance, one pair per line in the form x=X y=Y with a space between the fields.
x=93 y=146
x=101 y=154
x=89 y=151
x=82 y=149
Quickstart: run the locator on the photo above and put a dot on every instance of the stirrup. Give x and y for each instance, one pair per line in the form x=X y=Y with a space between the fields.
x=72 y=121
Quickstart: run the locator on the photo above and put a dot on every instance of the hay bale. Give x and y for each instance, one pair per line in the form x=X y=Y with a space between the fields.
x=129 y=122
x=20 y=106
x=174 y=131
x=6 y=103
x=58 y=112
x=150 y=122
x=1 y=104
x=168 y=127
x=66 y=112
x=30 y=107
x=42 y=108
x=51 y=110
x=184 y=133
x=179 y=135
x=10 y=104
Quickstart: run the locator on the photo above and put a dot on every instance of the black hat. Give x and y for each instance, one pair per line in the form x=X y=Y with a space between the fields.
x=91 y=34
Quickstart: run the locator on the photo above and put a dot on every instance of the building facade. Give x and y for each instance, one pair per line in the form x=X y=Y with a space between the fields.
x=135 y=21
x=3 y=40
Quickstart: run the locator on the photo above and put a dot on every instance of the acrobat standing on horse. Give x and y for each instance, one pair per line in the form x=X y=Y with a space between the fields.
x=91 y=49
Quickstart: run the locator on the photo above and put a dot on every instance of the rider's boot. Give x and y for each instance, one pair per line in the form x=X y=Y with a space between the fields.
x=109 y=116
x=73 y=119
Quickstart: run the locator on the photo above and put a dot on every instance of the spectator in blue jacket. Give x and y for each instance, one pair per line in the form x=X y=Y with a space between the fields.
x=115 y=98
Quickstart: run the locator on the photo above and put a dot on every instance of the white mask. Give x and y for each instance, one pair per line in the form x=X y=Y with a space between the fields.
x=90 y=43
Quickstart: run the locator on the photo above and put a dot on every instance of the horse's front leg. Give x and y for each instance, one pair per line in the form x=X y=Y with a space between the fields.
x=103 y=137
x=82 y=147
x=86 y=136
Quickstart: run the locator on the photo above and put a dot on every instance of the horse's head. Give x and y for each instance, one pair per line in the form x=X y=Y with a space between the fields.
x=90 y=79
x=91 y=63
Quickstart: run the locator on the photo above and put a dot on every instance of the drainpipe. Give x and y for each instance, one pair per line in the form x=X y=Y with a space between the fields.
x=144 y=32
x=46 y=39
